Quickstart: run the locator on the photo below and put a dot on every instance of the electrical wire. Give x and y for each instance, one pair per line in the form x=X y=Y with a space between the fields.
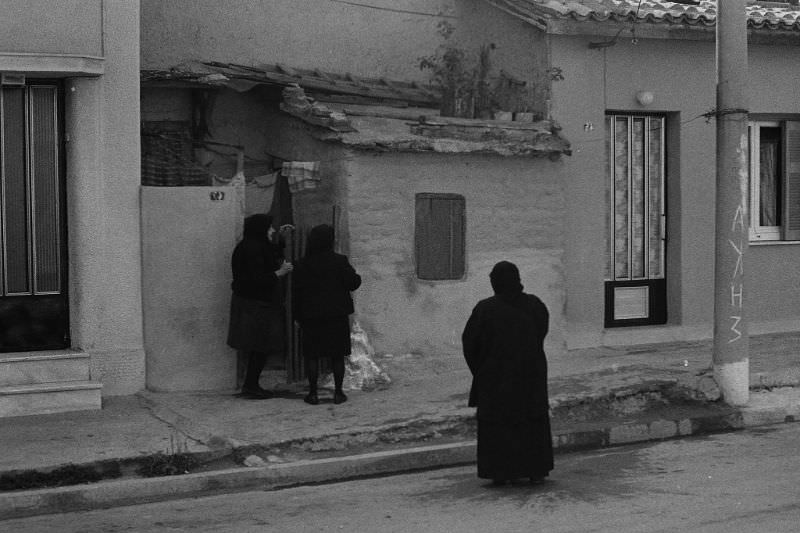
x=395 y=10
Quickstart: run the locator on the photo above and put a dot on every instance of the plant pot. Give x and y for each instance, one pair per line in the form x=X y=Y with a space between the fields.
x=503 y=115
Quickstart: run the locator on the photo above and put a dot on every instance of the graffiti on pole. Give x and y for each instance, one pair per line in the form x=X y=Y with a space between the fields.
x=737 y=285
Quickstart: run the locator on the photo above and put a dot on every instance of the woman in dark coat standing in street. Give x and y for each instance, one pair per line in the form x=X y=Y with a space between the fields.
x=322 y=303
x=256 y=321
x=503 y=344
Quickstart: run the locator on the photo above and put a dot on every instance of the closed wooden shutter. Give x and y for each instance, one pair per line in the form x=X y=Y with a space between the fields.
x=439 y=236
x=791 y=182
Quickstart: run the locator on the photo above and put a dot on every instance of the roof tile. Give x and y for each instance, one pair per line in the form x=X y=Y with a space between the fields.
x=766 y=15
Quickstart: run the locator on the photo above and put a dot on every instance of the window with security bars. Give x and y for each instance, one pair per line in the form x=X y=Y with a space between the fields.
x=636 y=197
x=30 y=229
x=636 y=242
x=439 y=236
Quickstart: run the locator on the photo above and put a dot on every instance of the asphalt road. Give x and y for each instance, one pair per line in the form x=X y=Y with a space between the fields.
x=734 y=483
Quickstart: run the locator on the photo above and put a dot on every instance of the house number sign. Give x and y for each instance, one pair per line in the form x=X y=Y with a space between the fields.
x=216 y=196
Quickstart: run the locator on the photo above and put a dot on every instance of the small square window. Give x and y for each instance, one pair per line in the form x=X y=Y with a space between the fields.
x=439 y=235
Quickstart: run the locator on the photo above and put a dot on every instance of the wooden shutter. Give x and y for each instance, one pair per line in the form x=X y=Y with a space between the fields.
x=791 y=181
x=439 y=236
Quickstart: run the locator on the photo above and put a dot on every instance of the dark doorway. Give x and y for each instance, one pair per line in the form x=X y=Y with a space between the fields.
x=33 y=297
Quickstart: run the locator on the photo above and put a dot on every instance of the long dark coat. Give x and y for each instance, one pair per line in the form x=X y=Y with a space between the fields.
x=321 y=286
x=503 y=344
x=256 y=316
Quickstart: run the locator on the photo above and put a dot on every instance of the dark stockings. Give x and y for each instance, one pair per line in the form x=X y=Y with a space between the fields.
x=338 y=373
x=312 y=372
x=255 y=364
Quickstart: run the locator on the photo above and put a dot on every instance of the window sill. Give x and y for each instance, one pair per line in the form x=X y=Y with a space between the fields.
x=772 y=243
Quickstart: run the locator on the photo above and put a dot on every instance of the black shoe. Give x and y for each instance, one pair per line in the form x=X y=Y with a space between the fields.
x=339 y=397
x=256 y=393
x=311 y=398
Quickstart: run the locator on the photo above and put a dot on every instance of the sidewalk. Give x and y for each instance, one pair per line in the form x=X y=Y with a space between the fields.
x=599 y=397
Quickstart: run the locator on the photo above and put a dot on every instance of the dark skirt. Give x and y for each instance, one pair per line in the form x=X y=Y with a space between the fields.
x=255 y=326
x=514 y=450
x=326 y=337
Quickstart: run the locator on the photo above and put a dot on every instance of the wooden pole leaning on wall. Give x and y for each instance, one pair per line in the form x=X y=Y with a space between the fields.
x=731 y=344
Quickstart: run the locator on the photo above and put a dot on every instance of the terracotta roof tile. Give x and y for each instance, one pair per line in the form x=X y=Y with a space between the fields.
x=761 y=15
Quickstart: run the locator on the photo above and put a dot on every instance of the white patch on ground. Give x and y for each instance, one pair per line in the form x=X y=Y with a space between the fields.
x=361 y=371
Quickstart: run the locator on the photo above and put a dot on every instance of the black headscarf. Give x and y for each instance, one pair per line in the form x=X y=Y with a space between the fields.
x=320 y=239
x=505 y=279
x=257 y=226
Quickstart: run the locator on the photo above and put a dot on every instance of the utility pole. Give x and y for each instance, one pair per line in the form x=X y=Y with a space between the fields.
x=731 y=343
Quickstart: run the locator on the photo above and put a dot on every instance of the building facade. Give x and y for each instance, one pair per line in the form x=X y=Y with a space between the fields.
x=71 y=281
x=634 y=89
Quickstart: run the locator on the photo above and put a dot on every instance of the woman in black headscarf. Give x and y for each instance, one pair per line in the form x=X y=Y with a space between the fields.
x=322 y=303
x=503 y=344
x=256 y=321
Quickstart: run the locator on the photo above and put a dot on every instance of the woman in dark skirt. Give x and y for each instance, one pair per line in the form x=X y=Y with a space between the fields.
x=256 y=320
x=322 y=303
x=503 y=344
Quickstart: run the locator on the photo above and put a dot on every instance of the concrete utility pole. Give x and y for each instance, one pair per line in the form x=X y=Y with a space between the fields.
x=731 y=343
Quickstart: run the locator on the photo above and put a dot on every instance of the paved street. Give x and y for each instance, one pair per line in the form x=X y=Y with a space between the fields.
x=740 y=482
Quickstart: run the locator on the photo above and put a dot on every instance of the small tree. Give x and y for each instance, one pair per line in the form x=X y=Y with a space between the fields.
x=461 y=76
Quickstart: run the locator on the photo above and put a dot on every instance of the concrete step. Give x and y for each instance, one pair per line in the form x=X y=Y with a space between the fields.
x=30 y=368
x=46 y=398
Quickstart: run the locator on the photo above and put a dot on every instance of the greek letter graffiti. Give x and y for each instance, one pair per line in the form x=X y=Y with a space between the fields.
x=736 y=320
x=739 y=269
x=736 y=296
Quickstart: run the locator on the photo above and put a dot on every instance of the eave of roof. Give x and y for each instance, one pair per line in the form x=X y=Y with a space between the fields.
x=321 y=84
x=662 y=18
x=372 y=128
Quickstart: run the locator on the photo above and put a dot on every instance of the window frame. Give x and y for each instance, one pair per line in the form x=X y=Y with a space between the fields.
x=757 y=232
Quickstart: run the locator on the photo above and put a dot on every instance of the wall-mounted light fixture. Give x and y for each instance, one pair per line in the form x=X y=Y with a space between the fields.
x=645 y=97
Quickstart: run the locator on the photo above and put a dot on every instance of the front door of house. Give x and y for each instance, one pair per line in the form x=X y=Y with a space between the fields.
x=33 y=299
x=635 y=287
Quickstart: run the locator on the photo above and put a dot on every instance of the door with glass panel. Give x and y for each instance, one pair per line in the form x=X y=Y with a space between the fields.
x=33 y=299
x=635 y=286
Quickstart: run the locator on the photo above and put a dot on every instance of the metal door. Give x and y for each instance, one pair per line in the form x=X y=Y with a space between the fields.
x=33 y=298
x=635 y=285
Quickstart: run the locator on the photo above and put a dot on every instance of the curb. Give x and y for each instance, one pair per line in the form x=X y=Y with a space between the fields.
x=137 y=491
x=304 y=472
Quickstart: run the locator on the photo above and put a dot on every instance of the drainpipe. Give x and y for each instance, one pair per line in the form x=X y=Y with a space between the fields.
x=731 y=343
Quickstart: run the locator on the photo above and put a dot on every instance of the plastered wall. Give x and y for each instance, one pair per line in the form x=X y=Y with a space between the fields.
x=332 y=36
x=515 y=49
x=608 y=79
x=73 y=27
x=189 y=234
x=514 y=211
x=103 y=174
